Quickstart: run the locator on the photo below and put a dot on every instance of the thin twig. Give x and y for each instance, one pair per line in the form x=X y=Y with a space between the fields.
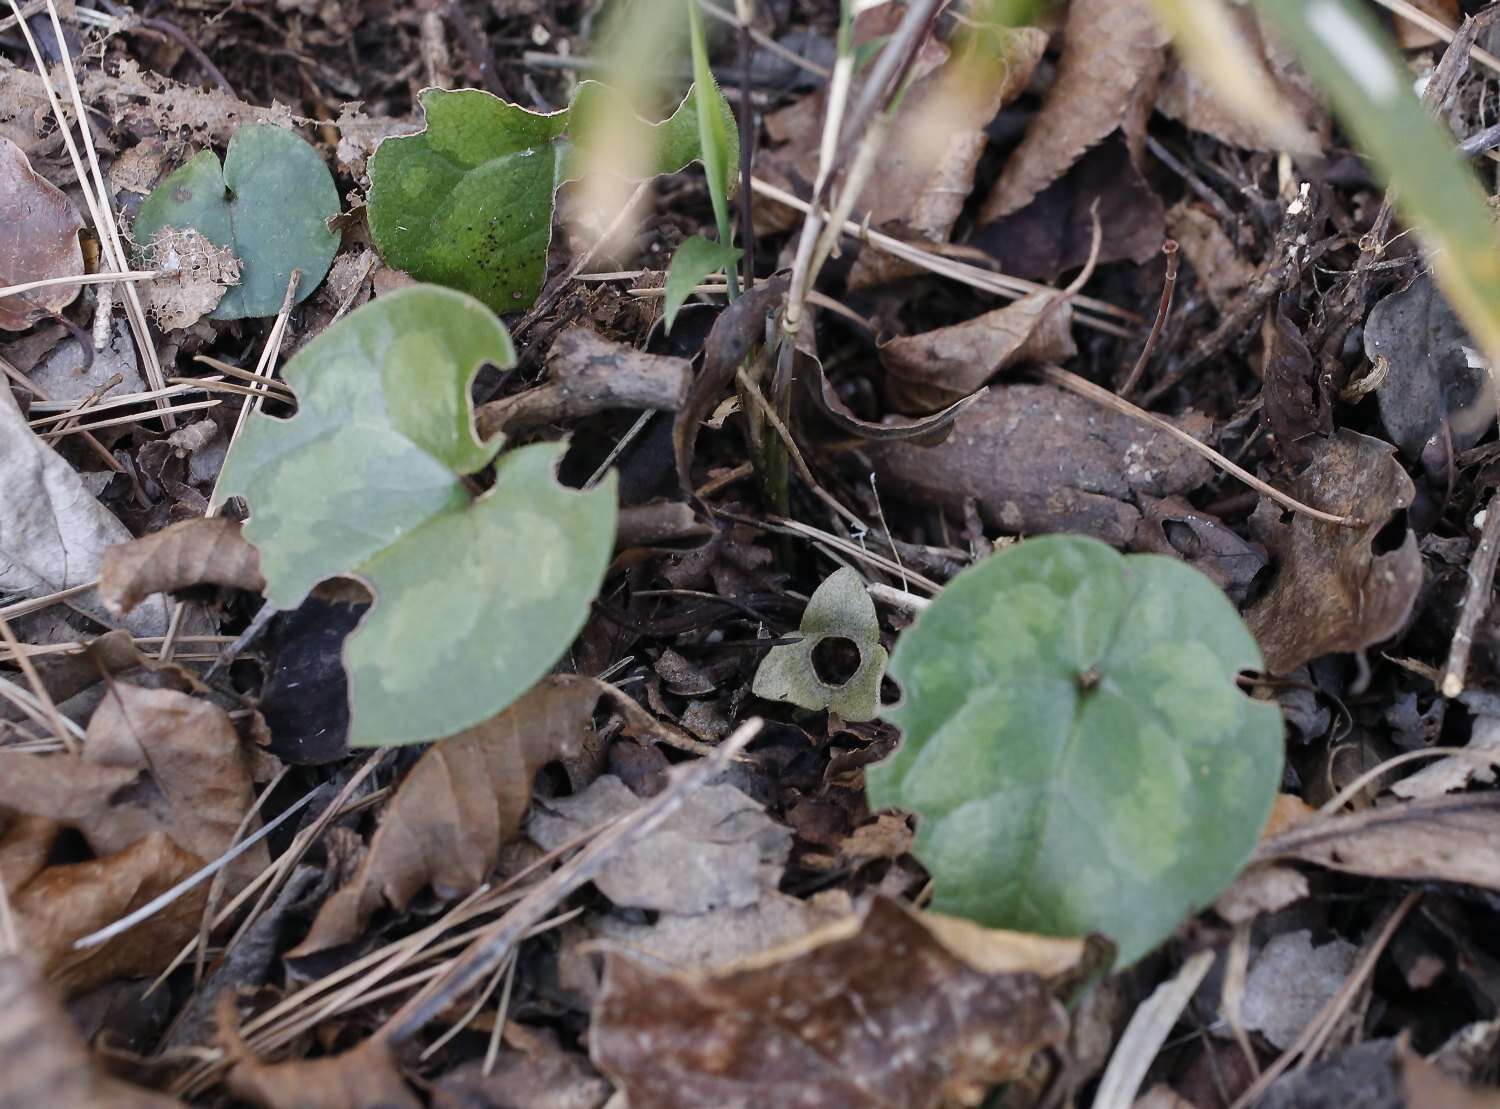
x=197 y=878
x=1075 y=384
x=134 y=419
x=1476 y=599
x=38 y=690
x=1434 y=26
x=83 y=279
x=1319 y=1027
x=1169 y=283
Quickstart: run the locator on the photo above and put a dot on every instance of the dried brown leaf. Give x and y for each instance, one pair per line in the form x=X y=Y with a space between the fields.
x=535 y=1072
x=64 y=903
x=1106 y=79
x=1336 y=589
x=206 y=550
x=1172 y=526
x=936 y=368
x=463 y=800
x=1035 y=460
x=817 y=1021
x=926 y=430
x=1446 y=839
x=1290 y=394
x=365 y=1077
x=44 y=1060
x=1221 y=270
x=38 y=239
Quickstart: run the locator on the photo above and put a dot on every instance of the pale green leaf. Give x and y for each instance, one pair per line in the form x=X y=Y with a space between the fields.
x=467 y=202
x=839 y=609
x=269 y=204
x=695 y=259
x=714 y=130
x=1074 y=743
x=475 y=597
x=1351 y=57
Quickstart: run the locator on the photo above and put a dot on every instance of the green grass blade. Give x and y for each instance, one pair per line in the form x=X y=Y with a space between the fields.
x=712 y=133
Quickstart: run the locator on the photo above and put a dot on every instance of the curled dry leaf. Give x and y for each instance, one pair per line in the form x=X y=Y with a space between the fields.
x=1340 y=588
x=1293 y=407
x=936 y=368
x=365 y=1077
x=38 y=239
x=588 y=373
x=814 y=1022
x=1172 y=526
x=1456 y=772
x=463 y=800
x=739 y=329
x=44 y=1060
x=1018 y=454
x=53 y=531
x=1106 y=79
x=1446 y=839
x=160 y=789
x=925 y=430
x=203 y=551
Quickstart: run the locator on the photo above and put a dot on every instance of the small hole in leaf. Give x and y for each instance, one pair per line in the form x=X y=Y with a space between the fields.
x=1390 y=537
x=835 y=660
x=1183 y=538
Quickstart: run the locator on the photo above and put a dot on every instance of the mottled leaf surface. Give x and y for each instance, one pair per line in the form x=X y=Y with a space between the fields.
x=475 y=597
x=269 y=203
x=1075 y=745
x=467 y=202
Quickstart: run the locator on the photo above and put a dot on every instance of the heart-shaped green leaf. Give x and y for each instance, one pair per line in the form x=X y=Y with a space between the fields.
x=475 y=597
x=269 y=204
x=467 y=202
x=1075 y=745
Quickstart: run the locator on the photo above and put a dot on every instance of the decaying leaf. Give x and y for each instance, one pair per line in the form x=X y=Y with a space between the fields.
x=53 y=532
x=839 y=610
x=925 y=429
x=1290 y=980
x=463 y=800
x=936 y=368
x=1172 y=526
x=70 y=373
x=718 y=849
x=1340 y=588
x=1434 y=376
x=1018 y=453
x=1106 y=79
x=365 y=1077
x=535 y=1072
x=42 y=1057
x=720 y=937
x=38 y=239
x=1426 y=1086
x=160 y=789
x=1445 y=839
x=64 y=903
x=818 y=1021
x=201 y=551
x=195 y=274
x=1293 y=408
x=1220 y=269
x=1456 y=772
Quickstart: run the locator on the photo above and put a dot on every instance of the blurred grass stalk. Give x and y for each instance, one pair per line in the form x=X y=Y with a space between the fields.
x=640 y=41
x=1354 y=62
